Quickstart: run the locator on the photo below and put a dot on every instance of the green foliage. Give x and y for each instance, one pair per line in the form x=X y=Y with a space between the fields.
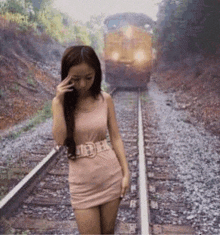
x=42 y=18
x=21 y=20
x=51 y=22
x=81 y=35
x=14 y=7
x=186 y=26
x=95 y=29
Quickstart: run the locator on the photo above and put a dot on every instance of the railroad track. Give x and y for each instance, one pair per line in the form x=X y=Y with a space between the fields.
x=42 y=198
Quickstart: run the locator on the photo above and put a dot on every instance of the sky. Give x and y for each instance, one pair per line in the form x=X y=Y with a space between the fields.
x=81 y=10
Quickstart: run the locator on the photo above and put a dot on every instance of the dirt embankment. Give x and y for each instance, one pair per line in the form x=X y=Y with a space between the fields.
x=29 y=72
x=195 y=83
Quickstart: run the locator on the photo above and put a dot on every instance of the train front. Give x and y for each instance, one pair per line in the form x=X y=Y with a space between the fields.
x=128 y=56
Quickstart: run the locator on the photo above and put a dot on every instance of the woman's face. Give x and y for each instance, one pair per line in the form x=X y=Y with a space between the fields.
x=82 y=76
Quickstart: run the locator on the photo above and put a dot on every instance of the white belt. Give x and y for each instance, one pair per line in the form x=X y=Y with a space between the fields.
x=90 y=149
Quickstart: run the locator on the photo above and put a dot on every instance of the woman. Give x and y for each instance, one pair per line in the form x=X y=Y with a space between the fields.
x=82 y=113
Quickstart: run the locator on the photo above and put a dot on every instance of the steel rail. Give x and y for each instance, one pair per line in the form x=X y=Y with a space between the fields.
x=144 y=205
x=11 y=201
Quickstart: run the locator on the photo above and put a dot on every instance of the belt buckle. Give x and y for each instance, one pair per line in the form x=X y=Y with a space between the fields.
x=94 y=150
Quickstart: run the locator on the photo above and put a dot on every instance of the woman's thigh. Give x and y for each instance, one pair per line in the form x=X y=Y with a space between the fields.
x=88 y=220
x=108 y=214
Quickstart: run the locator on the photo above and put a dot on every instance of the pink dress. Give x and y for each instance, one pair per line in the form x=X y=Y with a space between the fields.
x=94 y=181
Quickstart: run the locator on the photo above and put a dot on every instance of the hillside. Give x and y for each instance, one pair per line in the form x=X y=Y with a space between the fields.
x=29 y=72
x=195 y=86
x=30 y=66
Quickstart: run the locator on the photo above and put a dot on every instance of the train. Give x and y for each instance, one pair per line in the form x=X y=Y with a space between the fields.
x=128 y=53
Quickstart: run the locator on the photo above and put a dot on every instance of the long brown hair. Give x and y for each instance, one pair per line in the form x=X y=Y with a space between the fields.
x=73 y=56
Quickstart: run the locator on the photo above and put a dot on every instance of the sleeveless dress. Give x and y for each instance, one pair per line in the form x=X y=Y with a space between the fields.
x=94 y=181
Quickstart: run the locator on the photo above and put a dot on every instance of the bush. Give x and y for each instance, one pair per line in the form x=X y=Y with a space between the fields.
x=13 y=6
x=55 y=24
x=21 y=20
x=186 y=26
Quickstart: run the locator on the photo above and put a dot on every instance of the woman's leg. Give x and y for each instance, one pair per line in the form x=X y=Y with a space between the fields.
x=108 y=214
x=88 y=220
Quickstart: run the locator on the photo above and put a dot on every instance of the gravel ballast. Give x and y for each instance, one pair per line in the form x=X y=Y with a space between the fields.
x=196 y=154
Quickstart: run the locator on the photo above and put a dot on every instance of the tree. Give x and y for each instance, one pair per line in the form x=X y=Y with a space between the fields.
x=186 y=26
x=95 y=28
x=14 y=6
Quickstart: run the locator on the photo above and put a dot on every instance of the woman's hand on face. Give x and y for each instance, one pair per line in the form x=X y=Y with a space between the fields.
x=125 y=185
x=64 y=87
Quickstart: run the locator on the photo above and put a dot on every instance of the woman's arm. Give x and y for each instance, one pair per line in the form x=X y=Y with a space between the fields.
x=117 y=143
x=59 y=128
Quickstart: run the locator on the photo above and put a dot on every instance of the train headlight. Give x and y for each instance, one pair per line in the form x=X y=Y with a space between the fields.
x=140 y=56
x=128 y=32
x=115 y=56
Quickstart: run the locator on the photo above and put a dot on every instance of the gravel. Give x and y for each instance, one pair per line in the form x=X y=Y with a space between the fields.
x=32 y=139
x=196 y=155
x=195 y=152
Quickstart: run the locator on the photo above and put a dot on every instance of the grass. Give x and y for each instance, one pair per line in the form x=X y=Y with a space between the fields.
x=41 y=116
x=30 y=79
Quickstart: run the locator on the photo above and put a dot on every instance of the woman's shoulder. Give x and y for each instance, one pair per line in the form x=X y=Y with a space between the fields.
x=106 y=96
x=108 y=99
